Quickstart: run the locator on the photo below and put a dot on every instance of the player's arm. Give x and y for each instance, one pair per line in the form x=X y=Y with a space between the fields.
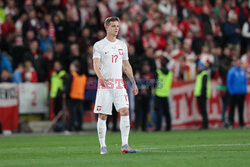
x=129 y=72
x=96 y=64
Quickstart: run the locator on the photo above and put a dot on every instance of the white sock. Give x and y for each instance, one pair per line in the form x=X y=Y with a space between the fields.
x=101 y=130
x=125 y=128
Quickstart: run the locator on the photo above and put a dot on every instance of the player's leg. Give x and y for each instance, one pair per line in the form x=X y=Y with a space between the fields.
x=121 y=104
x=103 y=106
x=124 y=125
x=101 y=130
x=125 y=128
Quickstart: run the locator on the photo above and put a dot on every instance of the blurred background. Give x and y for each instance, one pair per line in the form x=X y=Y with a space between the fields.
x=43 y=41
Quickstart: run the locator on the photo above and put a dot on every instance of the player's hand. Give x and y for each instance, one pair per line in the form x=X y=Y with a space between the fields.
x=103 y=82
x=135 y=90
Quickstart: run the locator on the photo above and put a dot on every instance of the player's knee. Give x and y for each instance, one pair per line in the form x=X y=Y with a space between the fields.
x=124 y=112
x=103 y=116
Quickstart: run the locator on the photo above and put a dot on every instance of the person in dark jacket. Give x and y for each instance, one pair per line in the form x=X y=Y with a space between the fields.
x=237 y=87
x=74 y=91
x=75 y=55
x=232 y=31
x=142 y=100
x=37 y=60
x=225 y=63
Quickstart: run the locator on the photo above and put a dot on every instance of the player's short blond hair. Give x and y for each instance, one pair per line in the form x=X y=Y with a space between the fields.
x=110 y=19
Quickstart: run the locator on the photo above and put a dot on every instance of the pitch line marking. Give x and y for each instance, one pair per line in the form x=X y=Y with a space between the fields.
x=194 y=146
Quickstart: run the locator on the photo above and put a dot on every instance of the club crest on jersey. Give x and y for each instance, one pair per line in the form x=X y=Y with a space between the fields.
x=120 y=51
x=99 y=108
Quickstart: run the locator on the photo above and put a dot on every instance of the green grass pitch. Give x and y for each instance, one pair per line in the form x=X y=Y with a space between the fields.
x=215 y=148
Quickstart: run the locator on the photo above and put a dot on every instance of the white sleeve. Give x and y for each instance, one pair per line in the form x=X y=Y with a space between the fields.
x=125 y=54
x=96 y=52
x=245 y=30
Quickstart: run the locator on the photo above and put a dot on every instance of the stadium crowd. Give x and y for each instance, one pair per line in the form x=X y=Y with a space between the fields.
x=39 y=37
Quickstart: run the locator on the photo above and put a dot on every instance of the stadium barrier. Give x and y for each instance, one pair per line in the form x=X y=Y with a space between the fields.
x=8 y=106
x=25 y=98
x=185 y=111
x=33 y=98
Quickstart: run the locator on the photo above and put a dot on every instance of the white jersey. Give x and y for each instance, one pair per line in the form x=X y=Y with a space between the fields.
x=111 y=55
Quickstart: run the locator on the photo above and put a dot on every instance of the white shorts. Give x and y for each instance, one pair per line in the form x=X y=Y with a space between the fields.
x=105 y=98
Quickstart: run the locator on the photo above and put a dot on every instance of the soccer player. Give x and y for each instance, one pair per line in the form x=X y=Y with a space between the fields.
x=110 y=59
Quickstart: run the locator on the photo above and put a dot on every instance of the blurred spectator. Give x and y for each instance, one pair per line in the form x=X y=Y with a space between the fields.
x=134 y=59
x=245 y=60
x=147 y=41
x=232 y=31
x=5 y=76
x=157 y=37
x=29 y=73
x=59 y=53
x=215 y=65
x=49 y=26
x=246 y=34
x=102 y=11
x=2 y=12
x=242 y=12
x=220 y=11
x=177 y=63
x=40 y=9
x=197 y=42
x=56 y=91
x=48 y=58
x=85 y=11
x=32 y=24
x=17 y=75
x=73 y=11
x=162 y=92
x=75 y=90
x=225 y=64
x=202 y=91
x=28 y=6
x=168 y=7
x=237 y=76
x=149 y=57
x=75 y=55
x=4 y=62
x=11 y=9
x=125 y=25
x=84 y=40
x=171 y=28
x=142 y=101
x=44 y=40
x=189 y=72
x=55 y=6
x=8 y=26
x=93 y=26
x=206 y=57
x=59 y=26
x=35 y=57
x=21 y=20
